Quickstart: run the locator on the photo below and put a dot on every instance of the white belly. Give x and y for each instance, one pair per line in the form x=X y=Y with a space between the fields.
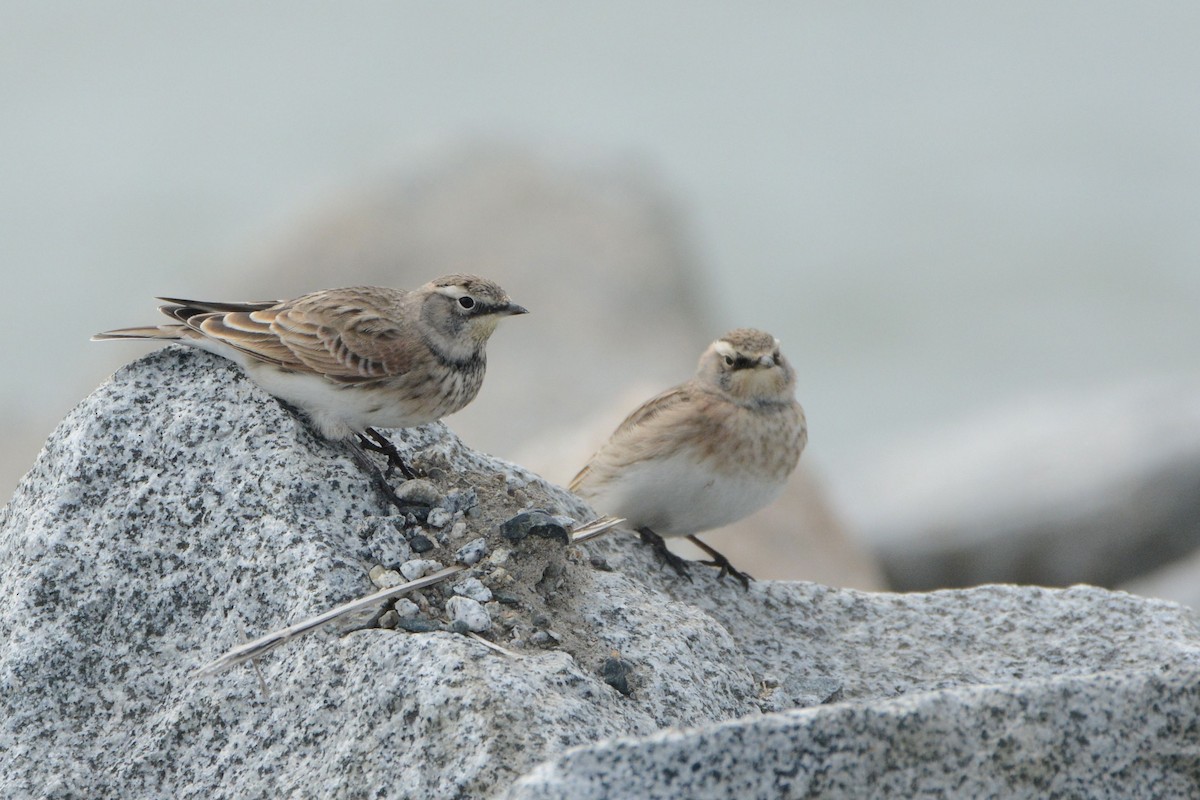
x=677 y=497
x=338 y=412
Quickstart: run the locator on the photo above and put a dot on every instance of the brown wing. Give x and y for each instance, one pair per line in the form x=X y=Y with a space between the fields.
x=239 y=325
x=249 y=332
x=648 y=411
x=347 y=335
x=659 y=404
x=345 y=340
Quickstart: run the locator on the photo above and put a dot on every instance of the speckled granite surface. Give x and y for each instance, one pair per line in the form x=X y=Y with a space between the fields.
x=179 y=509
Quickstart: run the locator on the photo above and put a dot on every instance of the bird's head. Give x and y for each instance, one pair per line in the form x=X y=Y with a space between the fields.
x=460 y=312
x=747 y=365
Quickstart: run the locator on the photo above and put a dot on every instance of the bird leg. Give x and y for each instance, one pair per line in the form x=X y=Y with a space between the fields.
x=721 y=561
x=378 y=443
x=358 y=449
x=680 y=565
x=377 y=476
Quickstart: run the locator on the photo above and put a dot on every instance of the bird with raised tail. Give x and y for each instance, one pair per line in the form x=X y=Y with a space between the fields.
x=705 y=453
x=356 y=359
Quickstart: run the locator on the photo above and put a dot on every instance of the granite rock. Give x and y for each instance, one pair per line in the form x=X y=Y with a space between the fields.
x=469 y=612
x=1102 y=736
x=1098 y=487
x=179 y=509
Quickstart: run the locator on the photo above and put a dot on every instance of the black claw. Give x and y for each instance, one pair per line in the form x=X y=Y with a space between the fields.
x=680 y=565
x=378 y=443
x=729 y=569
x=721 y=561
x=377 y=476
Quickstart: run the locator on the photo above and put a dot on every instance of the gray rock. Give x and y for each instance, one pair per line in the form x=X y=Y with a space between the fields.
x=419 y=567
x=1055 y=738
x=534 y=523
x=418 y=492
x=474 y=589
x=385 y=578
x=471 y=552
x=179 y=510
x=420 y=543
x=406 y=608
x=418 y=625
x=470 y=613
x=1098 y=488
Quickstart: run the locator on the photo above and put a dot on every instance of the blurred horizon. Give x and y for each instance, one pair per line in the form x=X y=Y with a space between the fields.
x=940 y=209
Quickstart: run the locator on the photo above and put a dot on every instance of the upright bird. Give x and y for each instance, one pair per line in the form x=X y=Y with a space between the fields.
x=705 y=453
x=353 y=359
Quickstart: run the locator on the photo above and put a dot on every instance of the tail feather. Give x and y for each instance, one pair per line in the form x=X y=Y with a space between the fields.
x=195 y=306
x=160 y=332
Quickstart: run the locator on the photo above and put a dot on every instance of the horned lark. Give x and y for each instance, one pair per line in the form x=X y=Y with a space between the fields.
x=705 y=453
x=353 y=359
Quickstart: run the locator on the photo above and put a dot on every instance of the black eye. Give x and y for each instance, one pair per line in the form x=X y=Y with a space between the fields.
x=466 y=301
x=729 y=360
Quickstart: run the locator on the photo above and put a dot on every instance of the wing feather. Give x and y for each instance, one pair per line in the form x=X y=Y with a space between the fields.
x=218 y=306
x=346 y=342
x=654 y=412
x=254 y=340
x=347 y=335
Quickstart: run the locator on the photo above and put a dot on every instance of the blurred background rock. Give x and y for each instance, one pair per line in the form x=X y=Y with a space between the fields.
x=972 y=227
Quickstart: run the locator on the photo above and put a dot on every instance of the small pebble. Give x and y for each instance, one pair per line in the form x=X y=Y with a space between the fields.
x=471 y=552
x=534 y=523
x=458 y=501
x=470 y=612
x=385 y=578
x=418 y=567
x=406 y=608
x=506 y=598
x=474 y=589
x=615 y=672
x=540 y=639
x=459 y=626
x=439 y=518
x=458 y=530
x=417 y=625
x=600 y=563
x=420 y=543
x=419 y=492
x=388 y=619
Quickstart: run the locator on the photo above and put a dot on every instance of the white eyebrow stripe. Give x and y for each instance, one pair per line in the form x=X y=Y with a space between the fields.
x=453 y=292
x=724 y=348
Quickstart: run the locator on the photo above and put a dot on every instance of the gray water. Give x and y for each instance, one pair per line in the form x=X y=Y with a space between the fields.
x=938 y=206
